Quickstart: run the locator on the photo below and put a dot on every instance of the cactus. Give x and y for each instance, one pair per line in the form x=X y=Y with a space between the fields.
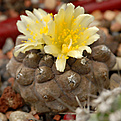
x=46 y=77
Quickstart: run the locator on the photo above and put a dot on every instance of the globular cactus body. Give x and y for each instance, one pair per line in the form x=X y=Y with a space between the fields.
x=47 y=89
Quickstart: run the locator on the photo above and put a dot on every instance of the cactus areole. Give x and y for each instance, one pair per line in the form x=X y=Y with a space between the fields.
x=54 y=60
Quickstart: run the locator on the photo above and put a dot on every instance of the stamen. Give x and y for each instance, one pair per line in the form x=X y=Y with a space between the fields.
x=51 y=14
x=31 y=33
x=27 y=29
x=70 y=44
x=66 y=57
x=37 y=21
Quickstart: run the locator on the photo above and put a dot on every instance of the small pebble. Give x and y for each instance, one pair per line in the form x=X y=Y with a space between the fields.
x=10 y=54
x=11 y=81
x=37 y=116
x=57 y=117
x=118 y=18
x=119 y=51
x=10 y=99
x=109 y=15
x=3 y=117
x=27 y=3
x=115 y=27
x=97 y=14
x=21 y=116
x=35 y=1
x=3 y=17
x=50 y=4
x=8 y=114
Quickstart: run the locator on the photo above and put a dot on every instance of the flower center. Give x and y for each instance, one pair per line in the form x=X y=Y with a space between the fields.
x=66 y=48
x=44 y=30
x=68 y=37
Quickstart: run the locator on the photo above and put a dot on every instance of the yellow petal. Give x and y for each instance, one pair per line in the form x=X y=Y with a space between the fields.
x=42 y=12
x=37 y=13
x=87 y=20
x=32 y=47
x=31 y=15
x=26 y=47
x=51 y=26
x=19 y=48
x=58 y=19
x=79 y=10
x=75 y=54
x=26 y=19
x=91 y=30
x=84 y=20
x=87 y=34
x=33 y=26
x=92 y=39
x=47 y=39
x=60 y=16
x=47 y=18
x=52 y=49
x=21 y=27
x=22 y=37
x=69 y=12
x=60 y=63
x=63 y=7
x=82 y=48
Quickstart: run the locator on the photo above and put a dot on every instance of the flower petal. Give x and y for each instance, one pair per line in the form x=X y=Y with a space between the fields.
x=79 y=10
x=82 y=48
x=26 y=47
x=91 y=31
x=75 y=54
x=87 y=20
x=92 y=39
x=58 y=19
x=51 y=26
x=32 y=47
x=68 y=13
x=21 y=27
x=86 y=35
x=60 y=63
x=60 y=16
x=37 y=13
x=42 y=12
x=31 y=15
x=52 y=49
x=26 y=19
x=84 y=20
x=63 y=7
x=47 y=39
x=33 y=28
x=22 y=37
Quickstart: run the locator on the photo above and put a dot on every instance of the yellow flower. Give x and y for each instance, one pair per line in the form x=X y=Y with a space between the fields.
x=69 y=35
x=32 y=26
